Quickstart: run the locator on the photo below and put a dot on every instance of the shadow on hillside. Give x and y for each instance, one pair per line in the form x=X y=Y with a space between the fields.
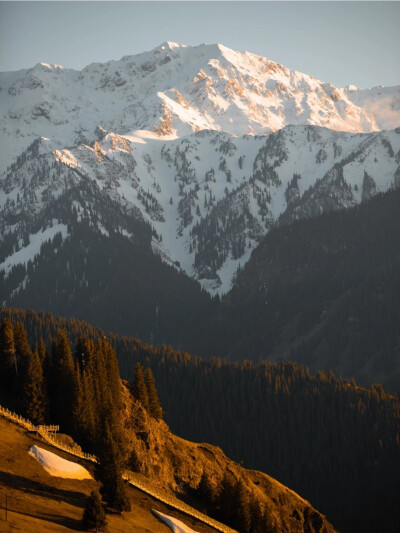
x=66 y=521
x=40 y=489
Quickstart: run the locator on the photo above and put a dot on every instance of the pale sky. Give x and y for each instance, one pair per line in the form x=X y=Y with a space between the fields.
x=339 y=42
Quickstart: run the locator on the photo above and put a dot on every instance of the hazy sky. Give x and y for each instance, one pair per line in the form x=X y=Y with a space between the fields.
x=339 y=42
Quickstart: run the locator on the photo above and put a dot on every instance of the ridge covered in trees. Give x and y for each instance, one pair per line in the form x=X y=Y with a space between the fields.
x=323 y=292
x=133 y=291
x=332 y=441
x=84 y=394
x=80 y=392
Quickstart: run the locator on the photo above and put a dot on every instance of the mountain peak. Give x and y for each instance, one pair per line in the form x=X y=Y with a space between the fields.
x=46 y=67
x=169 y=45
x=176 y=90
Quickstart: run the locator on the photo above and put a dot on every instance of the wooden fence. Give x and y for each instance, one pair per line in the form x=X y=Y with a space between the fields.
x=146 y=486
x=47 y=436
x=133 y=479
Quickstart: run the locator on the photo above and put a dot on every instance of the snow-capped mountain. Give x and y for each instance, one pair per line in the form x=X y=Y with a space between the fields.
x=175 y=90
x=383 y=103
x=172 y=138
x=209 y=197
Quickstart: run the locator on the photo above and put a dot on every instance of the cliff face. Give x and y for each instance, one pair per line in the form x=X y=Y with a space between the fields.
x=177 y=466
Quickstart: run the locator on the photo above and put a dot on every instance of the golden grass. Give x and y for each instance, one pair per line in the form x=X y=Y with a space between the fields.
x=41 y=503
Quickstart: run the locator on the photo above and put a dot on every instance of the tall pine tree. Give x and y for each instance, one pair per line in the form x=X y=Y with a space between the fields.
x=64 y=374
x=155 y=409
x=22 y=350
x=34 y=401
x=139 y=387
x=94 y=516
x=243 y=518
x=227 y=499
x=109 y=472
x=8 y=360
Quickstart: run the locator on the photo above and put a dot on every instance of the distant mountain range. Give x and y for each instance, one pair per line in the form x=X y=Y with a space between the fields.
x=188 y=155
x=176 y=90
x=168 y=138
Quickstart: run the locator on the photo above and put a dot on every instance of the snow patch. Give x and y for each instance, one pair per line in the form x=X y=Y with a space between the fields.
x=35 y=242
x=174 y=524
x=57 y=466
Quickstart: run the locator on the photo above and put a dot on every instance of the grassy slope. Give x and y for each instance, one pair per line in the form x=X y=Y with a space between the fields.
x=176 y=465
x=43 y=503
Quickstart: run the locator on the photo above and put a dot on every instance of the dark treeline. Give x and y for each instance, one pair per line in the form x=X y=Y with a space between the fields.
x=335 y=443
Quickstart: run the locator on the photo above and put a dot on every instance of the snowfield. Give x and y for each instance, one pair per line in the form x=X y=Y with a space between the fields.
x=176 y=525
x=58 y=467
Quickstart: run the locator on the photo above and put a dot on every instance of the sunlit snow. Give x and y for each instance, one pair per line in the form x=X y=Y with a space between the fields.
x=221 y=89
x=57 y=466
x=174 y=524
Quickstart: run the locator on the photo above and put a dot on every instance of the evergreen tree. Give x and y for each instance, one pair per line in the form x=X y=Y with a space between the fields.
x=22 y=349
x=206 y=491
x=135 y=464
x=8 y=360
x=49 y=383
x=268 y=522
x=33 y=390
x=155 y=409
x=42 y=351
x=256 y=516
x=64 y=374
x=90 y=415
x=112 y=372
x=94 y=516
x=109 y=473
x=227 y=499
x=139 y=387
x=242 y=507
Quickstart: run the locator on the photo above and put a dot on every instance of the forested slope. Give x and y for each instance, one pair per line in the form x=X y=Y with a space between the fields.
x=334 y=442
x=76 y=385
x=323 y=292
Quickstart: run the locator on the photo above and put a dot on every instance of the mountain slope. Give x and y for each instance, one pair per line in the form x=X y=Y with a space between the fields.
x=178 y=465
x=383 y=103
x=206 y=200
x=169 y=139
x=276 y=417
x=322 y=292
x=40 y=502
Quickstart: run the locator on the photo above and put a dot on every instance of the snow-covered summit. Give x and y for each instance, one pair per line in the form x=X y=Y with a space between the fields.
x=175 y=90
x=206 y=146
x=383 y=103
